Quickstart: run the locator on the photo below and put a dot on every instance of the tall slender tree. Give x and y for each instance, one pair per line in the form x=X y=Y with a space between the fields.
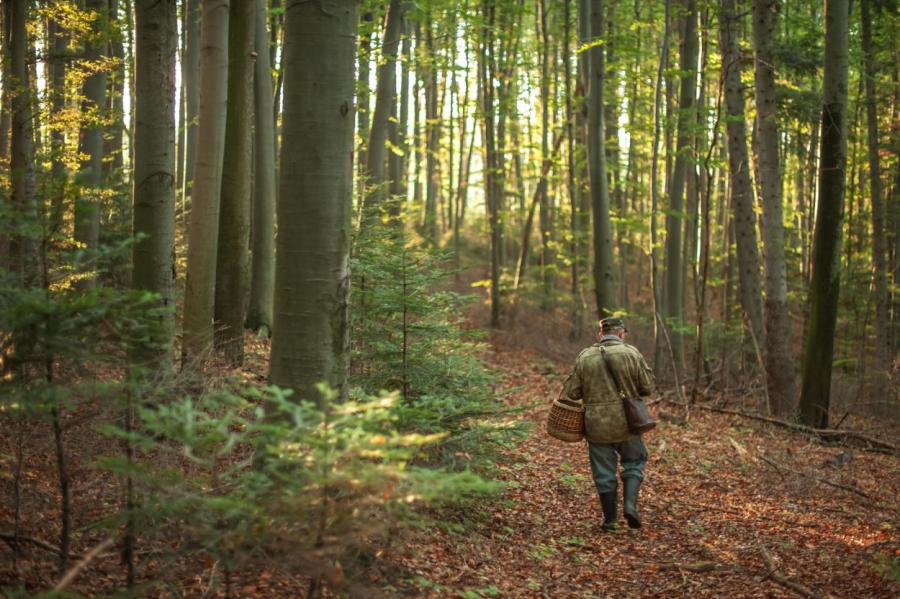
x=684 y=162
x=739 y=170
x=232 y=258
x=24 y=246
x=385 y=99
x=87 y=204
x=882 y=319
x=262 y=272
x=203 y=227
x=156 y=42
x=779 y=348
x=815 y=395
x=310 y=341
x=190 y=80
x=603 y=267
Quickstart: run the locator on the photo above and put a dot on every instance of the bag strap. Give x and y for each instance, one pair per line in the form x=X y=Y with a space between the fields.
x=612 y=375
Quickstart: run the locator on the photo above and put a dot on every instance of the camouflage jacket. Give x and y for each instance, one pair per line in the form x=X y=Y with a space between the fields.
x=604 y=416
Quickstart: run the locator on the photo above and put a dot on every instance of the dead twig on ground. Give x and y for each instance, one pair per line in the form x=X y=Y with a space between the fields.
x=822 y=433
x=772 y=572
x=75 y=570
x=824 y=481
x=11 y=539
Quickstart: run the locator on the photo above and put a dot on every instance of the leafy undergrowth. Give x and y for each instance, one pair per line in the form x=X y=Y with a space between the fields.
x=732 y=508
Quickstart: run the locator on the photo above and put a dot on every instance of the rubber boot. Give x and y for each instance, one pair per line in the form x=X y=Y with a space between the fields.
x=608 y=503
x=630 y=494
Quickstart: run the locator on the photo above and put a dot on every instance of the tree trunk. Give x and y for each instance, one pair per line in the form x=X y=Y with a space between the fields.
x=87 y=204
x=154 y=167
x=545 y=224
x=779 y=348
x=432 y=140
x=232 y=260
x=684 y=161
x=492 y=188
x=25 y=259
x=882 y=319
x=654 y=194
x=310 y=342
x=815 y=394
x=385 y=93
x=116 y=134
x=363 y=93
x=5 y=109
x=59 y=40
x=739 y=169
x=203 y=227
x=603 y=267
x=190 y=73
x=262 y=273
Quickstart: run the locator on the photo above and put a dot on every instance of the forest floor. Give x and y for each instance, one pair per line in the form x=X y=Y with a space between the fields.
x=732 y=507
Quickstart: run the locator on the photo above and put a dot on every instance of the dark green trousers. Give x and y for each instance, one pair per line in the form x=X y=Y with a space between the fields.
x=605 y=458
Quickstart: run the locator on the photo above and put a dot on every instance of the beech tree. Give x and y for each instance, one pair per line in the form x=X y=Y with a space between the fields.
x=190 y=74
x=603 y=267
x=778 y=346
x=815 y=395
x=232 y=267
x=203 y=227
x=739 y=171
x=87 y=204
x=385 y=99
x=262 y=272
x=310 y=340
x=153 y=257
x=24 y=247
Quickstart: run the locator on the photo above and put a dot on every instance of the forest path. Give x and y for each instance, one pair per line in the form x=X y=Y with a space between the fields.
x=721 y=496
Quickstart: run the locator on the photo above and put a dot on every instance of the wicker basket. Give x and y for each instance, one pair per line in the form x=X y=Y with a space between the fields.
x=565 y=420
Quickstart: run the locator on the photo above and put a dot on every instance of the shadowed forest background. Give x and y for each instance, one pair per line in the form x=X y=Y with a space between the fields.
x=286 y=287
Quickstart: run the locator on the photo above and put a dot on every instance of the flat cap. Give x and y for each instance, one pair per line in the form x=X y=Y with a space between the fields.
x=612 y=323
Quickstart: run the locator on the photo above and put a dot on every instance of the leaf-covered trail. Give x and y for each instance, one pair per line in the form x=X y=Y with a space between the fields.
x=723 y=496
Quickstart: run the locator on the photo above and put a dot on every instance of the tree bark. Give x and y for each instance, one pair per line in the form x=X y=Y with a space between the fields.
x=116 y=135
x=654 y=194
x=25 y=259
x=190 y=73
x=684 y=160
x=59 y=41
x=154 y=169
x=432 y=139
x=882 y=319
x=815 y=394
x=739 y=170
x=547 y=271
x=310 y=342
x=203 y=227
x=385 y=98
x=603 y=267
x=262 y=273
x=93 y=109
x=778 y=346
x=5 y=109
x=232 y=259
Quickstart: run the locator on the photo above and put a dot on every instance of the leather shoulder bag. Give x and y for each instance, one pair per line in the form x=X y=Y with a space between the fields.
x=636 y=412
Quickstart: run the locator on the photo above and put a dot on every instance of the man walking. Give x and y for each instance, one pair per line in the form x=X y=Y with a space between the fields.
x=601 y=372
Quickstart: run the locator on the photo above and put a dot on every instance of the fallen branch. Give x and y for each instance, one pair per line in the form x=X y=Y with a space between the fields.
x=758 y=516
x=705 y=566
x=75 y=570
x=822 y=433
x=781 y=579
x=11 y=540
x=824 y=481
